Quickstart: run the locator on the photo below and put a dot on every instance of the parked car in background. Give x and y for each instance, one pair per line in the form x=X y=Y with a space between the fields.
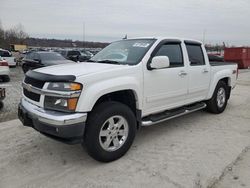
x=75 y=55
x=87 y=53
x=2 y=96
x=95 y=50
x=4 y=70
x=213 y=57
x=5 y=54
x=39 y=59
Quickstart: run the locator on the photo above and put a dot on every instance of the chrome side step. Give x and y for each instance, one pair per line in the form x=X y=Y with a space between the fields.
x=170 y=114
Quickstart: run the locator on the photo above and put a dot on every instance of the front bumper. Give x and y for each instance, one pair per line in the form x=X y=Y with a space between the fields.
x=65 y=127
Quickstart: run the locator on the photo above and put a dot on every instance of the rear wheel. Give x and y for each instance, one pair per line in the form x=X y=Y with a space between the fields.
x=110 y=131
x=218 y=102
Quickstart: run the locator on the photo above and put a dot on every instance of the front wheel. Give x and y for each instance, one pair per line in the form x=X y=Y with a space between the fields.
x=110 y=131
x=218 y=102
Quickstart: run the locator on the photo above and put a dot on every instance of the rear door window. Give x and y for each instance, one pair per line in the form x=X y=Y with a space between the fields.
x=195 y=54
x=73 y=53
x=5 y=54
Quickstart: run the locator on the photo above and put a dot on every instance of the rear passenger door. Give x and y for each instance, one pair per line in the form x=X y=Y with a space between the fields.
x=199 y=77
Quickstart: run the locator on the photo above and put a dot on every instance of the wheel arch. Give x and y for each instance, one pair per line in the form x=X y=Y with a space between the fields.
x=128 y=97
x=222 y=75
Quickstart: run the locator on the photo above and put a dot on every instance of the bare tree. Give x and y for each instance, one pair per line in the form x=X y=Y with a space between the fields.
x=1 y=34
x=14 y=35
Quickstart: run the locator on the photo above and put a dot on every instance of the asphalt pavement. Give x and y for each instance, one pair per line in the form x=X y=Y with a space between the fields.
x=194 y=151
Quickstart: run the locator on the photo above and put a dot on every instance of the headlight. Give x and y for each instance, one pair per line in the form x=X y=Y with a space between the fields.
x=61 y=86
x=61 y=104
x=66 y=104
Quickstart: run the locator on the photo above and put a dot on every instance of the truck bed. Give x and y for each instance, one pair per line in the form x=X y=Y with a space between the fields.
x=220 y=63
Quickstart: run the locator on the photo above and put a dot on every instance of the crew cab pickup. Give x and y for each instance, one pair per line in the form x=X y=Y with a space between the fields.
x=130 y=83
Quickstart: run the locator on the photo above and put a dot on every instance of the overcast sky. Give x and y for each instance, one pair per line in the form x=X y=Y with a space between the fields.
x=109 y=20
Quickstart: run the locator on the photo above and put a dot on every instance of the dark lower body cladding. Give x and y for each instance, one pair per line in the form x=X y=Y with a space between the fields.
x=70 y=134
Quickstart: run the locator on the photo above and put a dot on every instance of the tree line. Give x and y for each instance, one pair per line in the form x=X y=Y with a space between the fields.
x=14 y=35
x=17 y=35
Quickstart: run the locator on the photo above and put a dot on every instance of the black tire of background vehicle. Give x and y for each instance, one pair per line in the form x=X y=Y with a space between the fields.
x=25 y=68
x=1 y=105
x=212 y=105
x=95 y=120
x=6 y=78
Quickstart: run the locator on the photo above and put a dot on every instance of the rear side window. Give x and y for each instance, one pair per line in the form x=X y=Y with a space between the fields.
x=5 y=54
x=174 y=53
x=195 y=55
x=72 y=53
x=64 y=53
x=36 y=56
x=30 y=56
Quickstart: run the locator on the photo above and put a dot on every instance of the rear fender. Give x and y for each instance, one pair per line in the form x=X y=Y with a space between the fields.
x=227 y=73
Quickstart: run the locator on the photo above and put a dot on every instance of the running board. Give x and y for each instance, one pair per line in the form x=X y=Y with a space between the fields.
x=170 y=114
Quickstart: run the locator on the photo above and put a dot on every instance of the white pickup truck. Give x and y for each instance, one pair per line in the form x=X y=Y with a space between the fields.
x=131 y=83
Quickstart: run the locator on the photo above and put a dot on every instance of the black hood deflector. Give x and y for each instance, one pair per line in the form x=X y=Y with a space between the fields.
x=49 y=77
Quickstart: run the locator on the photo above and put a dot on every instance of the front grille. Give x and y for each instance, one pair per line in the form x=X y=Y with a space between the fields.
x=34 y=82
x=31 y=95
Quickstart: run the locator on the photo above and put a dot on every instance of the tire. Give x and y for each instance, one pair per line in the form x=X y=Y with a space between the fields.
x=218 y=102
x=98 y=126
x=1 y=105
x=5 y=78
x=25 y=68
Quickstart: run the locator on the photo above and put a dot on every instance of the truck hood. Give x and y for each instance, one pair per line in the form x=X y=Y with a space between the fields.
x=78 y=69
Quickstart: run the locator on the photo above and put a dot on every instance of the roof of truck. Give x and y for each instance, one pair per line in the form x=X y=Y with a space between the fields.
x=163 y=38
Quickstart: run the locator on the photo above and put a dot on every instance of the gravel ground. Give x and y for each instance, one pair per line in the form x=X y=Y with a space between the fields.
x=13 y=94
x=193 y=151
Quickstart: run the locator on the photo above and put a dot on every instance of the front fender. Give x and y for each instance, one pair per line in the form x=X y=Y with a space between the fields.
x=92 y=92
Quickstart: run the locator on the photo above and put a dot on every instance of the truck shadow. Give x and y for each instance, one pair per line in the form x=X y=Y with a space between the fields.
x=76 y=155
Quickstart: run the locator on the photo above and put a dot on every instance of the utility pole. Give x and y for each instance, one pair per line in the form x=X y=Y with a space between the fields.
x=204 y=36
x=83 y=35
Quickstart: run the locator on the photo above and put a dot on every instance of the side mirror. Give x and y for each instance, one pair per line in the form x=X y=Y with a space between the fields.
x=159 y=62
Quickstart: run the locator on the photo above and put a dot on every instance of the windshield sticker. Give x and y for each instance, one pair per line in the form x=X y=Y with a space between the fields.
x=141 y=45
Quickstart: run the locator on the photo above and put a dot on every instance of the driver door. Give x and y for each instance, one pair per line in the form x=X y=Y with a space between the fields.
x=168 y=87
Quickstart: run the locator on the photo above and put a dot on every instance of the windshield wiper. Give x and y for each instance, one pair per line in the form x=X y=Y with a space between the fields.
x=108 y=61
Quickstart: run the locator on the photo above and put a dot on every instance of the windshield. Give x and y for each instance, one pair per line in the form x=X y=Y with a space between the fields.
x=124 y=52
x=51 y=56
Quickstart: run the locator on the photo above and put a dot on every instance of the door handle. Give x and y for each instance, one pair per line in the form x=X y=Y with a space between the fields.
x=182 y=73
x=205 y=71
